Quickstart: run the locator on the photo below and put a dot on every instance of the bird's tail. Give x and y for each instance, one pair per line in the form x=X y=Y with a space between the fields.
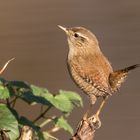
x=131 y=68
x=117 y=77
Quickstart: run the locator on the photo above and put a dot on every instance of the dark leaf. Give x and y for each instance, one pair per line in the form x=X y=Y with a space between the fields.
x=29 y=97
x=24 y=121
x=19 y=84
x=8 y=122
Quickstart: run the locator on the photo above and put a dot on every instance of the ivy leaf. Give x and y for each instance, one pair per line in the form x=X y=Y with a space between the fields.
x=8 y=122
x=4 y=92
x=38 y=91
x=39 y=94
x=62 y=123
x=30 y=98
x=59 y=101
x=62 y=103
x=73 y=97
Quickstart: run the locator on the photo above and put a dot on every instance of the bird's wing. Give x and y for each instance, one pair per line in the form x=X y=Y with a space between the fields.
x=94 y=77
x=94 y=72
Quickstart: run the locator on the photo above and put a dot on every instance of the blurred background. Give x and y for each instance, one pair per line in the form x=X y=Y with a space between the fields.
x=29 y=32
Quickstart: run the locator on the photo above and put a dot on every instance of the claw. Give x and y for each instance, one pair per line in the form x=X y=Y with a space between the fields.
x=95 y=121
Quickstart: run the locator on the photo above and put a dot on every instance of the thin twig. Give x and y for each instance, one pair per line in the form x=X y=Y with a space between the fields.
x=14 y=102
x=41 y=109
x=47 y=121
x=4 y=67
x=42 y=114
x=8 y=103
x=54 y=129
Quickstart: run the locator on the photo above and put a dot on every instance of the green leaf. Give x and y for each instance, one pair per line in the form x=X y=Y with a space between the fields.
x=38 y=91
x=30 y=98
x=37 y=95
x=61 y=102
x=62 y=123
x=8 y=122
x=65 y=101
x=74 y=97
x=4 y=92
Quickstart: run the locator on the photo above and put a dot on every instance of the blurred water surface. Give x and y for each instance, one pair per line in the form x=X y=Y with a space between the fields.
x=29 y=32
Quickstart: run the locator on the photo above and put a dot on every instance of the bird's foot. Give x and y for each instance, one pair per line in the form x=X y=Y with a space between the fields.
x=94 y=121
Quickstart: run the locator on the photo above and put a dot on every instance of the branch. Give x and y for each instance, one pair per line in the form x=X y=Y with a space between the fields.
x=26 y=133
x=87 y=128
x=42 y=114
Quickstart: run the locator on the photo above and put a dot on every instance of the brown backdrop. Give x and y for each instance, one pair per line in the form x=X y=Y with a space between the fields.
x=29 y=32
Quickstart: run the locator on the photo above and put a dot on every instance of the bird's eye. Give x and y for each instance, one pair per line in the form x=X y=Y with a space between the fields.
x=76 y=35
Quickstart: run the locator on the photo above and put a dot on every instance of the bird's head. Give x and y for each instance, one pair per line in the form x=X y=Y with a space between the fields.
x=80 y=39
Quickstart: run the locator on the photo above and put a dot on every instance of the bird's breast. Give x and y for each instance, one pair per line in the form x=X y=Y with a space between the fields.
x=84 y=83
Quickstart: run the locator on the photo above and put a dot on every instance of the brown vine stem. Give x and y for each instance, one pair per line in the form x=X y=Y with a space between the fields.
x=14 y=102
x=42 y=114
x=7 y=102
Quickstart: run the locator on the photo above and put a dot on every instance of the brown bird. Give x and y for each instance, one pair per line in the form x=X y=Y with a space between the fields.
x=89 y=68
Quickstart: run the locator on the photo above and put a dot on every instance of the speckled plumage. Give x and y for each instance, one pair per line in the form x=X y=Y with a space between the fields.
x=88 y=67
x=92 y=79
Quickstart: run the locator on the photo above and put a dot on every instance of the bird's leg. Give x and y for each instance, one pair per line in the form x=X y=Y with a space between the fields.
x=93 y=99
x=86 y=118
x=95 y=118
x=87 y=112
x=101 y=106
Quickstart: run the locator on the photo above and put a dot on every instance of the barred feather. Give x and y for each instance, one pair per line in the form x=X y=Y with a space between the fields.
x=117 y=77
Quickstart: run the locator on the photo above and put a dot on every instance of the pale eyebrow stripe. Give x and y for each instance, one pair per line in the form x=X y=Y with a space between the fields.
x=82 y=35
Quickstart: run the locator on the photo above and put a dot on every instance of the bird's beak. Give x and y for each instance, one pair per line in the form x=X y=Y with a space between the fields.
x=63 y=28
